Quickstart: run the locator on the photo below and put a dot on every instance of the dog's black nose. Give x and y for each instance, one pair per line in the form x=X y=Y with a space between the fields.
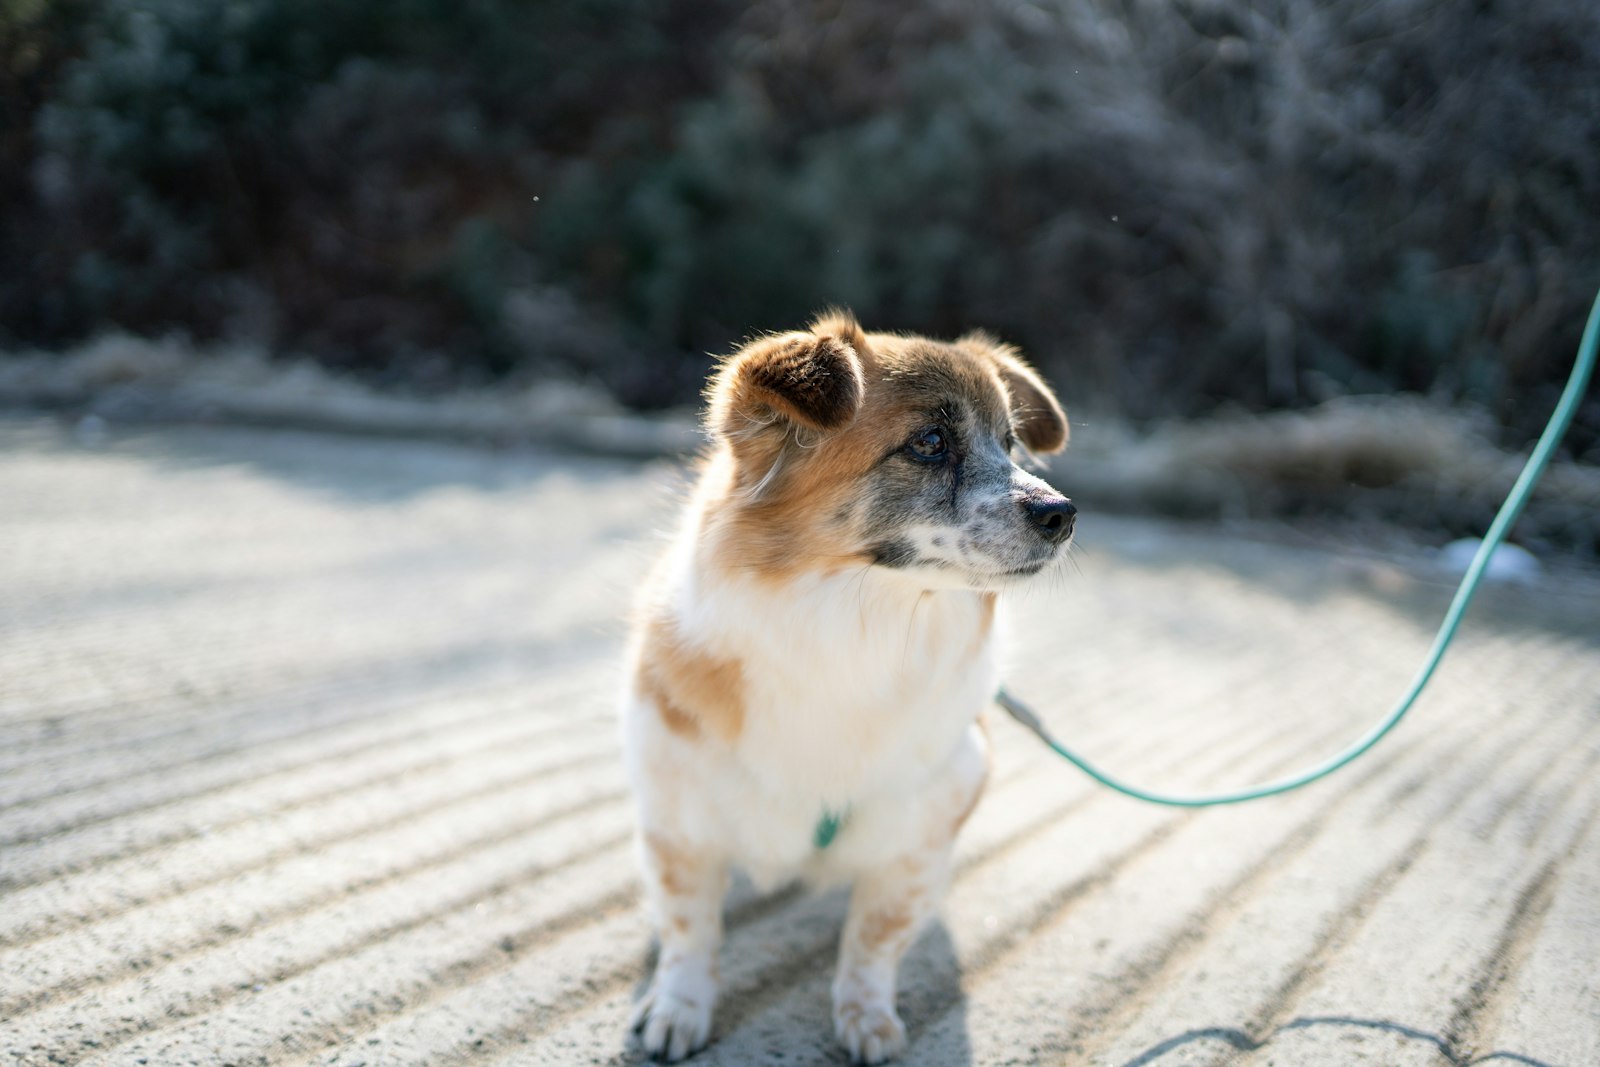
x=1053 y=518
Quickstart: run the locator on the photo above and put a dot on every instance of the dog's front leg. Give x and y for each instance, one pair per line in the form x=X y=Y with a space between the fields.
x=888 y=908
x=684 y=887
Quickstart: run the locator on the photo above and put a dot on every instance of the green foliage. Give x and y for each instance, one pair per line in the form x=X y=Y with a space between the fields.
x=328 y=175
x=1164 y=203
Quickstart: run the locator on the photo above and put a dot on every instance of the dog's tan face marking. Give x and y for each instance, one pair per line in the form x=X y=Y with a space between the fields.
x=918 y=476
x=691 y=688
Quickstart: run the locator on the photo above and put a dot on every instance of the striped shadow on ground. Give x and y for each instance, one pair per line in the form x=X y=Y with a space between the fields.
x=301 y=768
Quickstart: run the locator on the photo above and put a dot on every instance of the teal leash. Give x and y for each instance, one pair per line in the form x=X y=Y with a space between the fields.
x=828 y=825
x=1560 y=419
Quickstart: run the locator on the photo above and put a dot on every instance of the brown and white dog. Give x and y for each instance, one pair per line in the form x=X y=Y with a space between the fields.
x=818 y=642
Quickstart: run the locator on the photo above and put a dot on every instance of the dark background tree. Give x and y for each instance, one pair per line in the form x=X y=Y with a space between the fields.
x=1169 y=205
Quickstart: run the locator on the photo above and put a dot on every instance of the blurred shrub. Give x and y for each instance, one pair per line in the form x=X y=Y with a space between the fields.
x=353 y=179
x=1165 y=203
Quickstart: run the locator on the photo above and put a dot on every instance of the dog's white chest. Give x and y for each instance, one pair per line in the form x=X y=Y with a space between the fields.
x=854 y=686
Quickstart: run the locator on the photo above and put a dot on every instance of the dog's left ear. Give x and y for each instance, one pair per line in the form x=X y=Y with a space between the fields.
x=1035 y=412
x=810 y=378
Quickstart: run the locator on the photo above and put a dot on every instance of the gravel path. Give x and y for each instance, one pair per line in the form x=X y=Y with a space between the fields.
x=307 y=757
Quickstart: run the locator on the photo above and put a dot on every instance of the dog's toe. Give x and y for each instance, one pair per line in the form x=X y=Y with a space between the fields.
x=871 y=1033
x=672 y=1027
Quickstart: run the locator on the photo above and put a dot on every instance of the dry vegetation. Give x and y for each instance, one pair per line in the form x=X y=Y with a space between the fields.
x=1363 y=459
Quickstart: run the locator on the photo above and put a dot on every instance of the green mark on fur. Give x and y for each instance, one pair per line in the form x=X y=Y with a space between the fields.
x=827 y=829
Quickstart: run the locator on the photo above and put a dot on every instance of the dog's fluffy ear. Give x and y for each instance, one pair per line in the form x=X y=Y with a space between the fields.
x=811 y=379
x=1040 y=423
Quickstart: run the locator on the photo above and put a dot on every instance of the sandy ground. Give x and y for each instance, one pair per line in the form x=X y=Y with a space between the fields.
x=307 y=757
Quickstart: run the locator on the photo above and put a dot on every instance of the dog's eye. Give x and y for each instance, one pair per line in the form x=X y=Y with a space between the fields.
x=1011 y=443
x=930 y=444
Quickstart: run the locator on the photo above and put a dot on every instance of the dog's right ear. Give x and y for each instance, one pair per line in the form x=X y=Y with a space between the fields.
x=809 y=379
x=1035 y=411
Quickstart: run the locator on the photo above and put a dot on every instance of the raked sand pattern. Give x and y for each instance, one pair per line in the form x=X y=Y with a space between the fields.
x=307 y=757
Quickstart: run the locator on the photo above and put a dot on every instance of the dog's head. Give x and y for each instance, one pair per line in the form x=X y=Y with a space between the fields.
x=849 y=448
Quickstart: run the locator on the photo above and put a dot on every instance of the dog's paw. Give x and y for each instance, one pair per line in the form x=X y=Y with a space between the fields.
x=672 y=1026
x=870 y=1032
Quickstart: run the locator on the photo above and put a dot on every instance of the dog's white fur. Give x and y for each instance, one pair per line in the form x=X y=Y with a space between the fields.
x=764 y=696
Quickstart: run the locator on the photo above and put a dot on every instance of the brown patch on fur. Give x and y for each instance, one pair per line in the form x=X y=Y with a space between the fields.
x=690 y=688
x=674 y=868
x=673 y=717
x=879 y=929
